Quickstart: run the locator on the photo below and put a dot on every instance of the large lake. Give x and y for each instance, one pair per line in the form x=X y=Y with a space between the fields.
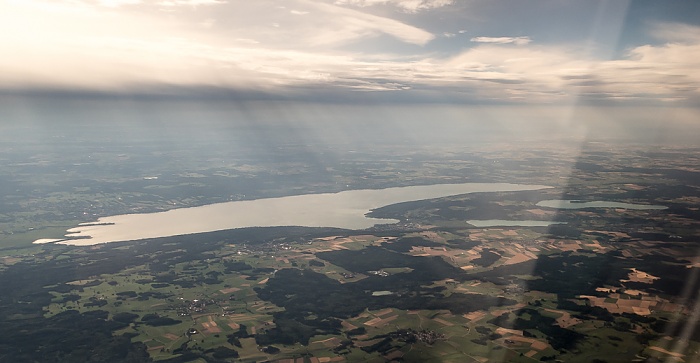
x=345 y=209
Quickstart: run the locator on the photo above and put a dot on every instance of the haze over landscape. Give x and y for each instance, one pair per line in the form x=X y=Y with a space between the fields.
x=349 y=181
x=576 y=66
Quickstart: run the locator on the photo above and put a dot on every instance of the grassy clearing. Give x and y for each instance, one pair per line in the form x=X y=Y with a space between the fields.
x=19 y=242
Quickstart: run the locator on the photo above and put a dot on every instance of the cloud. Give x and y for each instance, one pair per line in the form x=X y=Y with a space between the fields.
x=676 y=32
x=91 y=49
x=337 y=24
x=117 y=3
x=502 y=40
x=166 y=3
x=193 y=3
x=208 y=23
x=411 y=6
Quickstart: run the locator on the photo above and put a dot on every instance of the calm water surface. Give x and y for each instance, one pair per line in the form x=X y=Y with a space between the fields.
x=345 y=209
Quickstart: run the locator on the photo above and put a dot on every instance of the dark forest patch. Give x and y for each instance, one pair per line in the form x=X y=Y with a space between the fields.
x=314 y=302
x=488 y=257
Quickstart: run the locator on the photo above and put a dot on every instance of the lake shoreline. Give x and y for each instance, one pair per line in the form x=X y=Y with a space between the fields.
x=345 y=210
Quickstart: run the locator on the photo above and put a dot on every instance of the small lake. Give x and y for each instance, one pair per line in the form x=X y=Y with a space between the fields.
x=346 y=209
x=382 y=293
x=506 y=223
x=577 y=204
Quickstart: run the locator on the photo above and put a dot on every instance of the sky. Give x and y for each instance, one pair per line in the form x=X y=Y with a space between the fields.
x=512 y=53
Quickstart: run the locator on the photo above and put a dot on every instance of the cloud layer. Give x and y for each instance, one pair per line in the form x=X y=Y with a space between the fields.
x=502 y=40
x=407 y=5
x=299 y=47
